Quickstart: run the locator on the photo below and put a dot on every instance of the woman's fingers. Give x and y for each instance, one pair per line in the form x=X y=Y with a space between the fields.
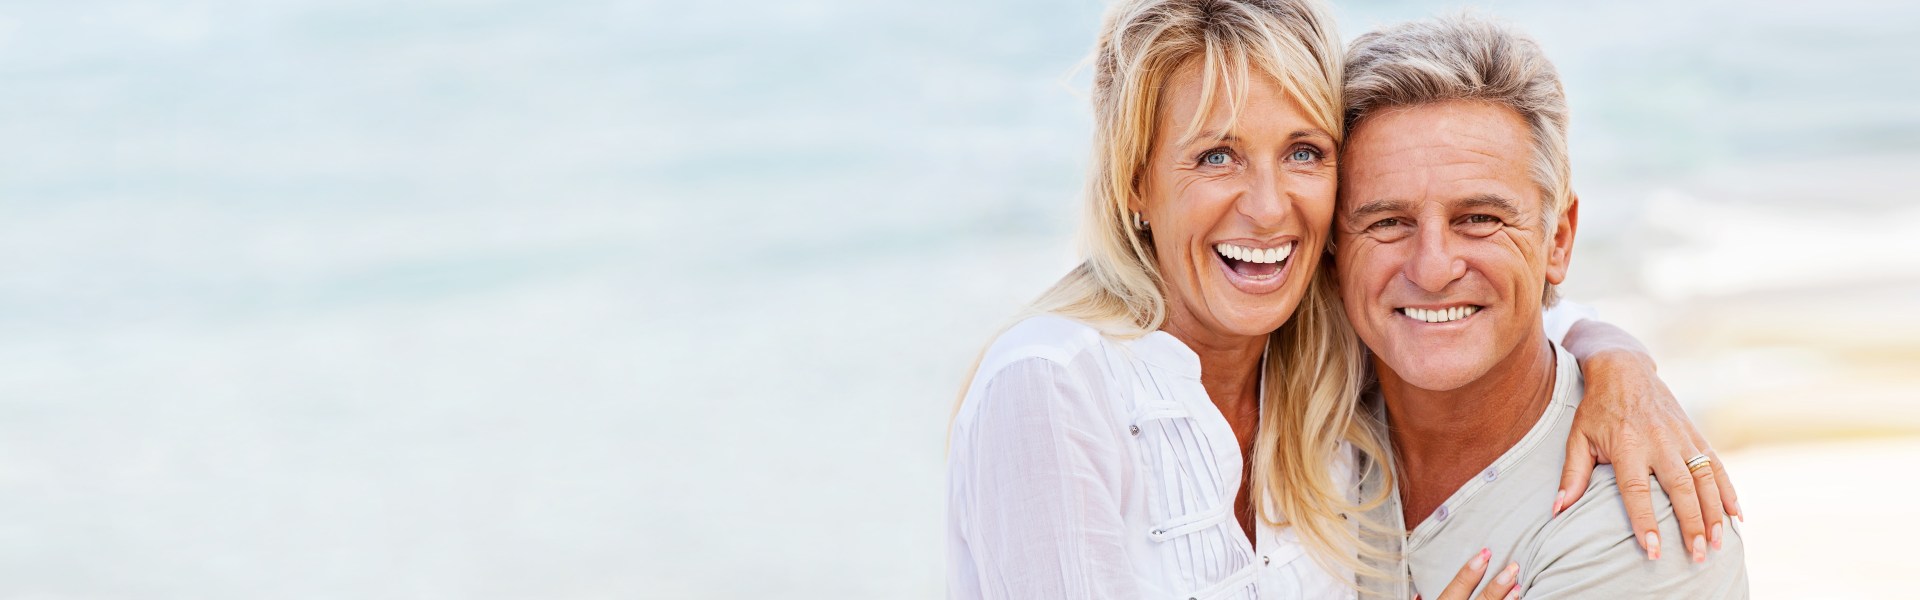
x=1575 y=475
x=1636 y=491
x=1679 y=484
x=1728 y=499
x=1503 y=585
x=1469 y=576
x=1706 y=483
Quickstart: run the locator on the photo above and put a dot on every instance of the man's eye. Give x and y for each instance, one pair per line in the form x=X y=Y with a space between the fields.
x=1478 y=219
x=1215 y=158
x=1385 y=223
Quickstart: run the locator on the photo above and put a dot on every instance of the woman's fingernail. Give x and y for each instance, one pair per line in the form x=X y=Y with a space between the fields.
x=1719 y=542
x=1513 y=594
x=1652 y=541
x=1699 y=548
x=1507 y=574
x=1480 y=560
x=1557 y=499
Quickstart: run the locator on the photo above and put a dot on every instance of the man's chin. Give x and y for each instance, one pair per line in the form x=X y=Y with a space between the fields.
x=1438 y=371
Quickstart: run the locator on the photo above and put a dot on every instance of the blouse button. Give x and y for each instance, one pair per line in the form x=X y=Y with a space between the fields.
x=1266 y=560
x=1133 y=429
x=1442 y=513
x=1492 y=473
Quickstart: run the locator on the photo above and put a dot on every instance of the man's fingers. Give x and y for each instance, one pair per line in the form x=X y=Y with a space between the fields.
x=1575 y=475
x=1678 y=483
x=1461 y=588
x=1502 y=585
x=1637 y=493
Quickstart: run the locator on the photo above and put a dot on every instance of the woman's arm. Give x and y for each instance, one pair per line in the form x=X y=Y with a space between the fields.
x=1630 y=419
x=1039 y=488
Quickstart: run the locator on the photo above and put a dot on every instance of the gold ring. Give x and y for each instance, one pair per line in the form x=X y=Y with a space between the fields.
x=1699 y=462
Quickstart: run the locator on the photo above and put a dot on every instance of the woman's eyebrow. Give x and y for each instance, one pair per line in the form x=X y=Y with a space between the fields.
x=1308 y=133
x=1215 y=135
x=1210 y=135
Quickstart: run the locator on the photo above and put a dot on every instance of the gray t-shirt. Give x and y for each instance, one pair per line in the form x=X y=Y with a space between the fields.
x=1589 y=551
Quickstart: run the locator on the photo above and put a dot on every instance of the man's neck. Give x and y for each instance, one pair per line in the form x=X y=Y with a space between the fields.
x=1442 y=439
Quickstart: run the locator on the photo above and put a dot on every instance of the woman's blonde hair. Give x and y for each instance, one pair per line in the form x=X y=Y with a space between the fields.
x=1313 y=363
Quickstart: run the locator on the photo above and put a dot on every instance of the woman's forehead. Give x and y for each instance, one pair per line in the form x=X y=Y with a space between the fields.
x=1197 y=102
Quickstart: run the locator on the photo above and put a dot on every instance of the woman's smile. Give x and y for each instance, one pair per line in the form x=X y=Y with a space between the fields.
x=1255 y=268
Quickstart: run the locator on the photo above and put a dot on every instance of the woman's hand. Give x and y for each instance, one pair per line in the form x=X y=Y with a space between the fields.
x=1501 y=588
x=1630 y=419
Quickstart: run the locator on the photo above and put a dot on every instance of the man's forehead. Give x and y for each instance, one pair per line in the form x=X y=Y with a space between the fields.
x=1445 y=152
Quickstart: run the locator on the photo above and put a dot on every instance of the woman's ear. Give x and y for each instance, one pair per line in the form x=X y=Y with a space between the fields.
x=1560 y=253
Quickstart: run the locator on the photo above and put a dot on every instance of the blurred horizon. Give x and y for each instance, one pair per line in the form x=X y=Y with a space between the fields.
x=502 y=298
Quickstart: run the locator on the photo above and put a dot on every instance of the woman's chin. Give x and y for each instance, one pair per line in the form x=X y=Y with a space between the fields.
x=1246 y=315
x=1240 y=313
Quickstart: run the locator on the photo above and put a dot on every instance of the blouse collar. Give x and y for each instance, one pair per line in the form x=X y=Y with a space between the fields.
x=1162 y=350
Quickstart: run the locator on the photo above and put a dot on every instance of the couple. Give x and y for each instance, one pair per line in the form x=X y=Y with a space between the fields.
x=1190 y=413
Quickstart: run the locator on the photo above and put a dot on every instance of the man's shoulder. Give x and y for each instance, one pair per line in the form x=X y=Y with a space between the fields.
x=1591 y=550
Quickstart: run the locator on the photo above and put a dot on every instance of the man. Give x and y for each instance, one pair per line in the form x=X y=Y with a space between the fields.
x=1455 y=221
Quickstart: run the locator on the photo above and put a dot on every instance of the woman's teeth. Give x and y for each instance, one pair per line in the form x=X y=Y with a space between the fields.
x=1440 y=315
x=1255 y=255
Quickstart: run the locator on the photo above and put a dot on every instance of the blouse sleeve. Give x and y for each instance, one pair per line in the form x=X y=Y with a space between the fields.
x=1042 y=479
x=1559 y=319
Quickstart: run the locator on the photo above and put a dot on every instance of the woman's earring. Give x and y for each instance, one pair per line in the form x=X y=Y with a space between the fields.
x=1139 y=222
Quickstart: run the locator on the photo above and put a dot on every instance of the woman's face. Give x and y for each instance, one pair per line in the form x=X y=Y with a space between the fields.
x=1238 y=214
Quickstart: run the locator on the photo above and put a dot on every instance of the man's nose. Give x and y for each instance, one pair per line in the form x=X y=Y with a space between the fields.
x=1434 y=263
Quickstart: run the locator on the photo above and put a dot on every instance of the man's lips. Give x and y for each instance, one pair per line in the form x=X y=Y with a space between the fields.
x=1445 y=313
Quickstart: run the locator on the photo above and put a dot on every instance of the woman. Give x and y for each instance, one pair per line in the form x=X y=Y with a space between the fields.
x=1110 y=446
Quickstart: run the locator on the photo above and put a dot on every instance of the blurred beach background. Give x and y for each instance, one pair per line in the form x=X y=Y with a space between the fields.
x=516 y=299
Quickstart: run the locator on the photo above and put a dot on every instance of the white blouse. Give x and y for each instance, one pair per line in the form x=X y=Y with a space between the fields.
x=1086 y=467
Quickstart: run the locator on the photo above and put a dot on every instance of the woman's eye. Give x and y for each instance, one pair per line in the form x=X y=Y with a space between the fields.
x=1215 y=158
x=1303 y=155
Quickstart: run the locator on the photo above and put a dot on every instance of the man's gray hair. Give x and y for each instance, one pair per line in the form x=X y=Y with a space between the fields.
x=1468 y=57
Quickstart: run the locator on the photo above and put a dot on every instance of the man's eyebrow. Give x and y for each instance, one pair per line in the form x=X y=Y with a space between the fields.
x=1494 y=202
x=1375 y=207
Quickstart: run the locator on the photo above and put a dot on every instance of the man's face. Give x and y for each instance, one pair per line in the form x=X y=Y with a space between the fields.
x=1441 y=246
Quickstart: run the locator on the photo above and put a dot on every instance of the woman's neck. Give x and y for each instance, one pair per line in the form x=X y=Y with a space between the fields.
x=1229 y=366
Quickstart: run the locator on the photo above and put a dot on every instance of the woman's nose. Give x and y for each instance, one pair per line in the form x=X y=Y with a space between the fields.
x=1265 y=202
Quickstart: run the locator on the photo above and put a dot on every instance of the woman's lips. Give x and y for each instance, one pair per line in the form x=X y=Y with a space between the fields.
x=1255 y=270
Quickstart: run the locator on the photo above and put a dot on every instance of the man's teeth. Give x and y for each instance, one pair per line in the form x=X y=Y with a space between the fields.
x=1256 y=255
x=1440 y=315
